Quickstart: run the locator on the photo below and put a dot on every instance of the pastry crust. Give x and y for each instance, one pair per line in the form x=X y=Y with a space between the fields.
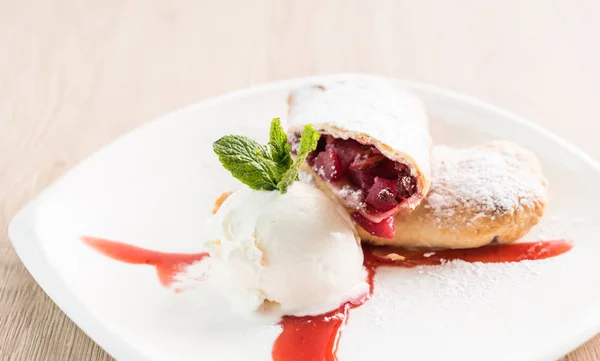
x=374 y=112
x=493 y=192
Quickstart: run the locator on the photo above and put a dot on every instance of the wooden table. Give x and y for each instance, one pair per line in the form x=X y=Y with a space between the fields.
x=74 y=75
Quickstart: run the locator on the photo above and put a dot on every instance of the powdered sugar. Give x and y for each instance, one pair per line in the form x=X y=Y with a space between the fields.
x=451 y=286
x=558 y=227
x=320 y=171
x=352 y=197
x=348 y=191
x=497 y=178
x=306 y=177
x=376 y=111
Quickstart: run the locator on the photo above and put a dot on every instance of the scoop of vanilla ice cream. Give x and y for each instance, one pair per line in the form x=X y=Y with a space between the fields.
x=284 y=254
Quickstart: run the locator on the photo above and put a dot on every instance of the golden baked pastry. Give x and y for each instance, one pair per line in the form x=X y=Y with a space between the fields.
x=493 y=192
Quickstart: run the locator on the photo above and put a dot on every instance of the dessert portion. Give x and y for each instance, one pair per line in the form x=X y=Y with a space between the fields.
x=373 y=151
x=278 y=254
x=280 y=247
x=283 y=251
x=494 y=192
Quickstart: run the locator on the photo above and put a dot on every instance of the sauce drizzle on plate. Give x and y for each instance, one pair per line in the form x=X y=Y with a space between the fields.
x=316 y=338
x=168 y=265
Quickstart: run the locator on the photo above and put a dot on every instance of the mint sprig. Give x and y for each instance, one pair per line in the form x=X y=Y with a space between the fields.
x=308 y=143
x=265 y=167
x=279 y=147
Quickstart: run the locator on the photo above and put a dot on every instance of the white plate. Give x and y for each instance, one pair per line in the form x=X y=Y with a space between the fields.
x=155 y=186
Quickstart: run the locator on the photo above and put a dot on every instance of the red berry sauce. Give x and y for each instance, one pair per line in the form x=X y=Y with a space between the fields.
x=315 y=338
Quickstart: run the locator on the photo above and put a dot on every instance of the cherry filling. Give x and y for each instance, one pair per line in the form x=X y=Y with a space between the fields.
x=364 y=179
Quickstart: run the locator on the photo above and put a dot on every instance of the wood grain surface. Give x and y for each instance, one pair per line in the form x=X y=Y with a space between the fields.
x=76 y=74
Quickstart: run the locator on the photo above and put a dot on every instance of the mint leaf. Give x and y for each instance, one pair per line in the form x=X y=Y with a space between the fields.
x=248 y=161
x=308 y=143
x=265 y=167
x=279 y=147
